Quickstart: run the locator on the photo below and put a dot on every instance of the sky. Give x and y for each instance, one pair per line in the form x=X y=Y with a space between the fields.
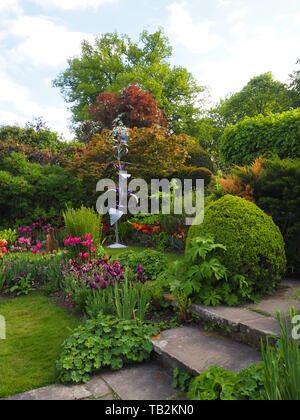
x=223 y=43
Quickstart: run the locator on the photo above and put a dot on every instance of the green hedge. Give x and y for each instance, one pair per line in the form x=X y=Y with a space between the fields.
x=255 y=246
x=277 y=192
x=276 y=134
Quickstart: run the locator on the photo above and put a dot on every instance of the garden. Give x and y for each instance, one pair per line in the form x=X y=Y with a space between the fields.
x=75 y=307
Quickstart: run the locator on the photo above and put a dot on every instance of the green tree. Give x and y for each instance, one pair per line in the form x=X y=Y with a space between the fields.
x=295 y=86
x=114 y=62
x=262 y=95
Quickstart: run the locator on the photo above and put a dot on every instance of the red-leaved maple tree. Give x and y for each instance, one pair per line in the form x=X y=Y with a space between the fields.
x=135 y=108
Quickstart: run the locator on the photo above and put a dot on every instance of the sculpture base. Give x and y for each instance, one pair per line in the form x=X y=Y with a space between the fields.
x=117 y=246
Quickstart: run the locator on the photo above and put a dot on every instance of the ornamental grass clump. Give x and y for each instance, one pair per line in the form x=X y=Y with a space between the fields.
x=282 y=365
x=83 y=221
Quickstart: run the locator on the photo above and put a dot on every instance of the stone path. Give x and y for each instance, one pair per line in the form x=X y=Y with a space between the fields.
x=254 y=322
x=147 y=381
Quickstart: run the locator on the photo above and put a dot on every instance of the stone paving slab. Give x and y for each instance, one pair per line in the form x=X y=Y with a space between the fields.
x=254 y=322
x=282 y=301
x=55 y=393
x=195 y=351
x=141 y=382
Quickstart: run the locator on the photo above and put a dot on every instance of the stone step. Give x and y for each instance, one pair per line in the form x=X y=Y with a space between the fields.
x=144 y=382
x=255 y=322
x=147 y=381
x=194 y=351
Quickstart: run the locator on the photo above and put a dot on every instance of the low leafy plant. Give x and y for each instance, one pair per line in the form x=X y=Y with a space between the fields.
x=218 y=383
x=153 y=262
x=203 y=276
x=22 y=286
x=17 y=269
x=104 y=342
x=181 y=380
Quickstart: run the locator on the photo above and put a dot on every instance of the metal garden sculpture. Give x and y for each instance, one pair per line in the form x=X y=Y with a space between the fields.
x=120 y=135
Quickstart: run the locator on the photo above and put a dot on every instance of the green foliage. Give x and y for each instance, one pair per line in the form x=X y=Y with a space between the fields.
x=131 y=300
x=42 y=139
x=10 y=235
x=99 y=301
x=282 y=365
x=126 y=231
x=198 y=157
x=255 y=254
x=153 y=262
x=114 y=62
x=181 y=380
x=261 y=96
x=275 y=134
x=82 y=221
x=194 y=173
x=104 y=342
x=277 y=192
x=219 y=384
x=202 y=275
x=27 y=187
x=294 y=87
x=21 y=286
x=20 y=273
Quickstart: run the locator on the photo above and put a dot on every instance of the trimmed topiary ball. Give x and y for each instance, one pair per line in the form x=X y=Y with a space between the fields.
x=255 y=246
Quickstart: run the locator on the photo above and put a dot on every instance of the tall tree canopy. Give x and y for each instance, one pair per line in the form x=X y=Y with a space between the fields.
x=295 y=86
x=114 y=62
x=262 y=95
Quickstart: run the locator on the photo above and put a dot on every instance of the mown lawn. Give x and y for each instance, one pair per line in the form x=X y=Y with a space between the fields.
x=35 y=329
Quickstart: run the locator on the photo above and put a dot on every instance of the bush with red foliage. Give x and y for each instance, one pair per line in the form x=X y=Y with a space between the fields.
x=135 y=107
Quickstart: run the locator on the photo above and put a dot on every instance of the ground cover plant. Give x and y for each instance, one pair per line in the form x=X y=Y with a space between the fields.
x=153 y=262
x=104 y=342
x=218 y=384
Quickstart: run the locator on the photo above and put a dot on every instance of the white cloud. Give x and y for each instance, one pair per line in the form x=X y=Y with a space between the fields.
x=17 y=106
x=10 y=7
x=257 y=50
x=224 y=3
x=199 y=38
x=237 y=15
x=74 y=4
x=43 y=42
